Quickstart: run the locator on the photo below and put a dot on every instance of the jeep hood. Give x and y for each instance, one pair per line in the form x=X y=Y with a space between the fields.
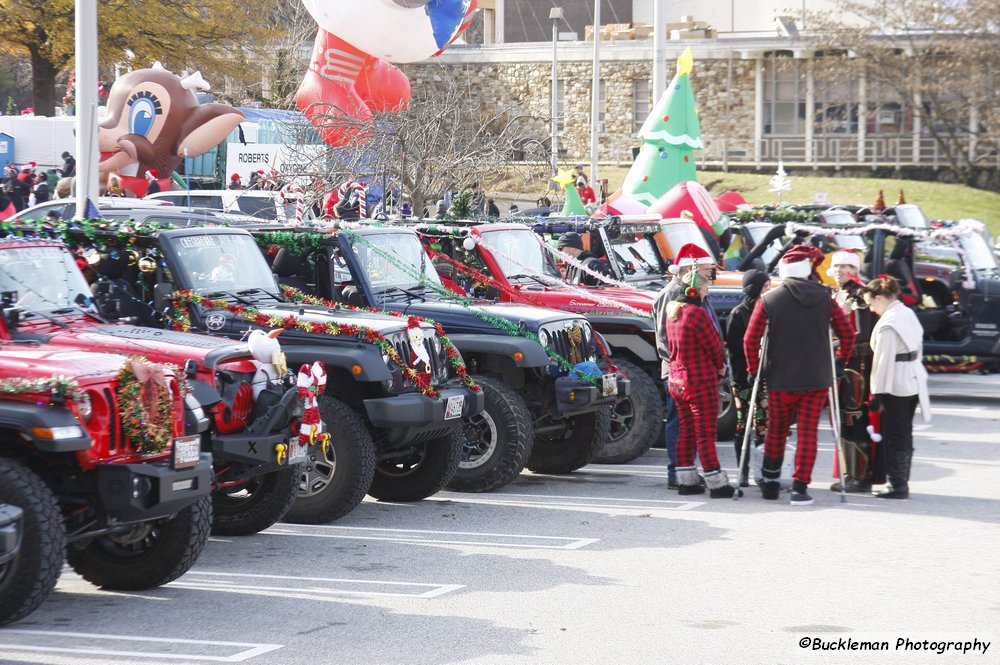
x=32 y=362
x=456 y=318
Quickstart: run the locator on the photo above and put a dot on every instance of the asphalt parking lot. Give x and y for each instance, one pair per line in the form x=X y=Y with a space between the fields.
x=603 y=566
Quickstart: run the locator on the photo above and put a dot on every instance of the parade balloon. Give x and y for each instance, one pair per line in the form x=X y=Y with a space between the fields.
x=153 y=121
x=350 y=75
x=693 y=198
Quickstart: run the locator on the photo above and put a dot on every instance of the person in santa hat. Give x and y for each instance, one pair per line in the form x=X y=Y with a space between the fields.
x=861 y=471
x=234 y=182
x=691 y=258
x=154 y=185
x=696 y=364
x=796 y=317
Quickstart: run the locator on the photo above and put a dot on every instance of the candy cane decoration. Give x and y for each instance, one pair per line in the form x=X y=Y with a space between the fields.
x=362 y=191
x=310 y=383
x=293 y=192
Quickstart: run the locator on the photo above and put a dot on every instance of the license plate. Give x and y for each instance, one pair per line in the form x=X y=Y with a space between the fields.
x=187 y=450
x=453 y=409
x=296 y=452
x=610 y=385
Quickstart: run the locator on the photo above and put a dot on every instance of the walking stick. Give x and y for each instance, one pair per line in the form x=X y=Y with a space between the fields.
x=834 y=396
x=751 y=414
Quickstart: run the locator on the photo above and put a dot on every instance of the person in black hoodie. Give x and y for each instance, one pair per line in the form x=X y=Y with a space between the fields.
x=797 y=318
x=755 y=284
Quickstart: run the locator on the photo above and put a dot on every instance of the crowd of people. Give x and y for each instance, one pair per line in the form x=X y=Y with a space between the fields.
x=794 y=350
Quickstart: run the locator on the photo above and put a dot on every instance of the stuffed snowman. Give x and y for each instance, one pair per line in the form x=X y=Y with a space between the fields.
x=268 y=358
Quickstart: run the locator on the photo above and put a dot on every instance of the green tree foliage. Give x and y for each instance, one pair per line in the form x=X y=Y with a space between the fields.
x=219 y=37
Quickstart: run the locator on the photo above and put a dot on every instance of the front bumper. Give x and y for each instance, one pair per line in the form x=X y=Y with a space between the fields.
x=257 y=443
x=575 y=396
x=413 y=417
x=141 y=492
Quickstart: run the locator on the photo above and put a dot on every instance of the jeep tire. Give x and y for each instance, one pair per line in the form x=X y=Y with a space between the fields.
x=573 y=447
x=725 y=428
x=253 y=506
x=636 y=421
x=496 y=443
x=28 y=578
x=148 y=555
x=333 y=482
x=424 y=471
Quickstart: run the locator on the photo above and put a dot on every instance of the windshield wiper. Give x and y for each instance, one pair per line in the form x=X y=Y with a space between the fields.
x=408 y=292
x=520 y=275
x=79 y=310
x=234 y=296
x=31 y=312
x=256 y=289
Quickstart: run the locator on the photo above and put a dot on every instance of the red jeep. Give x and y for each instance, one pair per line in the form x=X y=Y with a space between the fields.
x=46 y=300
x=92 y=470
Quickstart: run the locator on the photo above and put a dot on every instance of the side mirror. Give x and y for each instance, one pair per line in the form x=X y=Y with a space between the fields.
x=163 y=295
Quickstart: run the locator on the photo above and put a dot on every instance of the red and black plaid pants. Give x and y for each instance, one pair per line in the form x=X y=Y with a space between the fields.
x=698 y=413
x=804 y=407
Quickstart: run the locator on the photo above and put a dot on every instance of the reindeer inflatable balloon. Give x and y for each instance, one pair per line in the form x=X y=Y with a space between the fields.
x=350 y=75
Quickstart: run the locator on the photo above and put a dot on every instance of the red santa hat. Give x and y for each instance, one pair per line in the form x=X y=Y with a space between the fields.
x=30 y=166
x=799 y=262
x=235 y=176
x=690 y=255
x=154 y=173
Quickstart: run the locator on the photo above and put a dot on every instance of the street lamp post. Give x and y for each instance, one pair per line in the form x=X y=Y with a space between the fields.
x=555 y=15
x=595 y=107
x=86 y=105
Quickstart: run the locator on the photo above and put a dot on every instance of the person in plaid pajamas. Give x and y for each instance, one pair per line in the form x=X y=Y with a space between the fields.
x=797 y=317
x=697 y=362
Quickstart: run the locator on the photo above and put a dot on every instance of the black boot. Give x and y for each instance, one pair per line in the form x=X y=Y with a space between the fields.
x=689 y=481
x=770 y=487
x=899 y=476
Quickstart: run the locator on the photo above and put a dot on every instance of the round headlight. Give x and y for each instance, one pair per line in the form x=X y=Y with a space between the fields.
x=543 y=338
x=86 y=407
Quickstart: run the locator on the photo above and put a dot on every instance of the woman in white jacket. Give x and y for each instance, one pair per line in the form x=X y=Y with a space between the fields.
x=898 y=380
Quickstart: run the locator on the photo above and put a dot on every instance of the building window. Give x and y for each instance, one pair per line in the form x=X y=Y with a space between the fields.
x=784 y=96
x=640 y=103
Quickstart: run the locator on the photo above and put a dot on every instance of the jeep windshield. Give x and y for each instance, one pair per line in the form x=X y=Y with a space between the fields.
x=636 y=255
x=394 y=263
x=43 y=278
x=227 y=262
x=519 y=254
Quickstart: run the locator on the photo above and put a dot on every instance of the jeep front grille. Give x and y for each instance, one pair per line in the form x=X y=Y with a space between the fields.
x=115 y=442
x=403 y=348
x=571 y=343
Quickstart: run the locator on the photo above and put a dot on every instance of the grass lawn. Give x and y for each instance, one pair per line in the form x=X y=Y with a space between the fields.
x=938 y=200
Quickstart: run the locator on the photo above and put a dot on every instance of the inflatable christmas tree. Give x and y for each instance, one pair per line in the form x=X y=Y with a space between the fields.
x=574 y=204
x=670 y=136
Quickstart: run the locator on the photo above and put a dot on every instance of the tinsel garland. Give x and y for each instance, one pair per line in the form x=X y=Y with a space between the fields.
x=182 y=321
x=469 y=304
x=774 y=216
x=579 y=265
x=55 y=384
x=149 y=430
x=454 y=357
x=948 y=234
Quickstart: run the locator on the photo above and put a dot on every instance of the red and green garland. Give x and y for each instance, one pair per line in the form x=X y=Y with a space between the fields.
x=56 y=384
x=419 y=380
x=454 y=357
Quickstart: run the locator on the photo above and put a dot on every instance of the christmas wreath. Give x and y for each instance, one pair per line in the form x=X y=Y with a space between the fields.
x=146 y=404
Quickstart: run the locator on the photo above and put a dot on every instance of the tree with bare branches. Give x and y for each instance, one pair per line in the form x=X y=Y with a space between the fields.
x=939 y=62
x=443 y=140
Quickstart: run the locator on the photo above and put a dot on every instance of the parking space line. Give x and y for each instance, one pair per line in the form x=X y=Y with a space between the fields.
x=250 y=650
x=562 y=501
x=424 y=537
x=211 y=580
